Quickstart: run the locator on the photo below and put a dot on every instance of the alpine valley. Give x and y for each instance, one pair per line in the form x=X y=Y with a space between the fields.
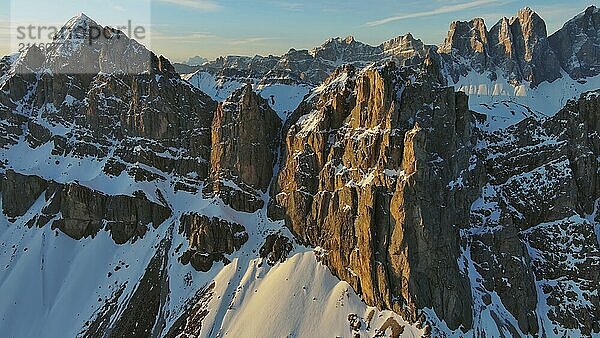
x=399 y=190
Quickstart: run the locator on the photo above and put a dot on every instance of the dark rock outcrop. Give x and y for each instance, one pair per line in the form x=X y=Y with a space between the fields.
x=79 y=211
x=141 y=317
x=245 y=134
x=276 y=249
x=191 y=321
x=210 y=239
x=19 y=192
x=577 y=44
x=513 y=279
x=542 y=183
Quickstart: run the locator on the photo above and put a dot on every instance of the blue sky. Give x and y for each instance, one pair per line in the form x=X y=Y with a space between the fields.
x=184 y=28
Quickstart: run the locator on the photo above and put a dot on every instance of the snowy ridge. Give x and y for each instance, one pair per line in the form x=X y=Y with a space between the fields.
x=283 y=98
x=547 y=98
x=301 y=284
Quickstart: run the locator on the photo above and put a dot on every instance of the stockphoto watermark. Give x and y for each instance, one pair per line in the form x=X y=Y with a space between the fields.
x=44 y=36
x=100 y=41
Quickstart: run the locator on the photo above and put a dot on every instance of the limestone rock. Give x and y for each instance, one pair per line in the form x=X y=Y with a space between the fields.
x=542 y=184
x=245 y=131
x=469 y=40
x=577 y=44
x=276 y=249
x=210 y=239
x=19 y=192
x=361 y=172
x=517 y=48
x=79 y=211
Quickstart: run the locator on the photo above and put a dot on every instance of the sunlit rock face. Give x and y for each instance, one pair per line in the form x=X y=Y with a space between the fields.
x=362 y=175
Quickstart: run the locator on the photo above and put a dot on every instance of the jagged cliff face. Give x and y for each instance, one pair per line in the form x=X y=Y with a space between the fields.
x=577 y=44
x=469 y=40
x=78 y=211
x=210 y=239
x=201 y=217
x=541 y=188
x=362 y=177
x=245 y=134
x=521 y=47
x=407 y=196
x=152 y=119
x=517 y=48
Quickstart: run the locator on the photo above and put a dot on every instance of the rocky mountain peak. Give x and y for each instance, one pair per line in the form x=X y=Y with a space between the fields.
x=588 y=19
x=340 y=50
x=82 y=46
x=468 y=39
x=591 y=10
x=405 y=50
x=531 y=22
x=244 y=138
x=517 y=48
x=577 y=44
x=525 y=14
x=77 y=27
x=407 y=38
x=532 y=27
x=402 y=43
x=349 y=40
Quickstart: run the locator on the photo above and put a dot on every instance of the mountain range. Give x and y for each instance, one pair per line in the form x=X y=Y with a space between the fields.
x=351 y=190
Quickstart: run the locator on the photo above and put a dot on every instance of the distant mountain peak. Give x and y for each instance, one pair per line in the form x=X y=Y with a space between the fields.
x=349 y=40
x=80 y=20
x=83 y=16
x=576 y=44
x=528 y=15
x=589 y=12
x=84 y=46
x=403 y=45
x=526 y=11
x=405 y=37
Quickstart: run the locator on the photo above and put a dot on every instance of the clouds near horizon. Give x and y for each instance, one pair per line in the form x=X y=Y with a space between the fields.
x=203 y=5
x=436 y=11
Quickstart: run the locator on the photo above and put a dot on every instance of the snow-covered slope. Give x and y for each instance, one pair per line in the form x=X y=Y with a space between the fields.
x=546 y=99
x=284 y=98
x=255 y=300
